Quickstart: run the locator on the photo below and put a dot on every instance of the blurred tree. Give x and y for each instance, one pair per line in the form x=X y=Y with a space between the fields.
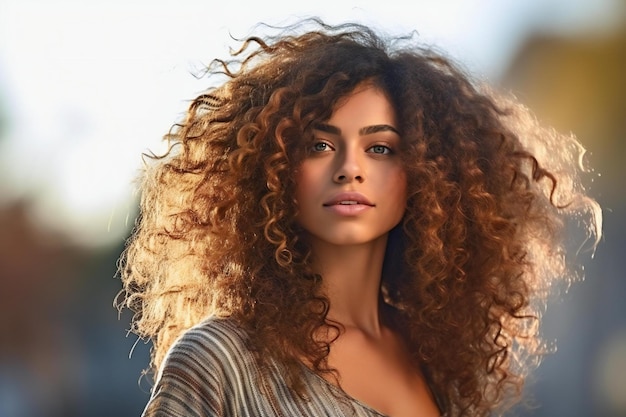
x=36 y=272
x=60 y=350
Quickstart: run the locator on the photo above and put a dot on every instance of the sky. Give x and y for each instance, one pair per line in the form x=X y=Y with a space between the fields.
x=87 y=86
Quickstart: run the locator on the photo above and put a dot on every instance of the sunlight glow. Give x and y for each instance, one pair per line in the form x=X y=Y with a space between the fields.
x=89 y=86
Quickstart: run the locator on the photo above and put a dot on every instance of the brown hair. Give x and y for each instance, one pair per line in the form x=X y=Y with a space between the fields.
x=469 y=268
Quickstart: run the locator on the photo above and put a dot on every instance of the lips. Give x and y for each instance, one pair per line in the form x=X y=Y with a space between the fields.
x=348 y=199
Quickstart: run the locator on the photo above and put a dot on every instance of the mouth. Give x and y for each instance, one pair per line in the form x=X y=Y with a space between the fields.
x=348 y=199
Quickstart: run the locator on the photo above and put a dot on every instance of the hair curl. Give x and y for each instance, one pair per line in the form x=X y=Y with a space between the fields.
x=468 y=269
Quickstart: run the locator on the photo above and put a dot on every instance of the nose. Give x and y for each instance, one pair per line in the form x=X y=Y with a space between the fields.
x=349 y=167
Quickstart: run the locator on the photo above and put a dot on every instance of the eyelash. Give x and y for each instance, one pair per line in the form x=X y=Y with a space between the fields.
x=386 y=150
x=314 y=147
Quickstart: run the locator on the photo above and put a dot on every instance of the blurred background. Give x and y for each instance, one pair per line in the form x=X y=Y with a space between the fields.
x=86 y=87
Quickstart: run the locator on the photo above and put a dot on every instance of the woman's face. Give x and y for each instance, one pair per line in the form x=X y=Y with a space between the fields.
x=351 y=186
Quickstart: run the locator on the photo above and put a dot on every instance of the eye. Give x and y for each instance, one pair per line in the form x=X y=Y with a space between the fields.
x=380 y=150
x=321 y=147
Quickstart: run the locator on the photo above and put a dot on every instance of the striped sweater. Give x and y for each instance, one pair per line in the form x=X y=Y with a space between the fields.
x=210 y=372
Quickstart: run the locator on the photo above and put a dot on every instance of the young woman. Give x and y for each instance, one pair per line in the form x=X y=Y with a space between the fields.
x=349 y=226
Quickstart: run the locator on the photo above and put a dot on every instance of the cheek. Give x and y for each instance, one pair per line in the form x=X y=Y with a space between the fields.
x=301 y=185
x=402 y=184
x=398 y=195
x=305 y=184
x=401 y=193
x=309 y=175
x=397 y=185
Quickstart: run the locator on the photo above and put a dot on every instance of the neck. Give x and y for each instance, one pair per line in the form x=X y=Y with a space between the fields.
x=351 y=281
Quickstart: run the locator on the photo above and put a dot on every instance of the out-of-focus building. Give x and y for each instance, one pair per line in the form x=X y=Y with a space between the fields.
x=578 y=84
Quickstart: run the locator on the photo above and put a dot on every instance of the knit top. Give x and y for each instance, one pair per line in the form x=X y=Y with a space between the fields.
x=210 y=372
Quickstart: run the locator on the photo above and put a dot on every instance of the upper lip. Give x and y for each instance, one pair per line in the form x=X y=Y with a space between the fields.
x=348 y=197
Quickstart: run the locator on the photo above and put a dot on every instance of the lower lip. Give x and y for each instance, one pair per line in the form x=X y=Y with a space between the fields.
x=348 y=209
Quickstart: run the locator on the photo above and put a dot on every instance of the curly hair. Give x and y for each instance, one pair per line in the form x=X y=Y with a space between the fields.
x=469 y=268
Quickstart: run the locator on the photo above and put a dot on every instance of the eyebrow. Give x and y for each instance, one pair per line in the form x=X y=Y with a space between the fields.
x=367 y=130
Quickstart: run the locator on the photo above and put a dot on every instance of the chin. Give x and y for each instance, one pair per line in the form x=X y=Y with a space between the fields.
x=345 y=239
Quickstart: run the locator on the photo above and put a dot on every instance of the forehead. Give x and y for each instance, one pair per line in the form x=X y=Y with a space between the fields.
x=365 y=105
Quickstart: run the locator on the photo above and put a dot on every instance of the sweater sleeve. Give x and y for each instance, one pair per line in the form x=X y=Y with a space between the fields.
x=190 y=382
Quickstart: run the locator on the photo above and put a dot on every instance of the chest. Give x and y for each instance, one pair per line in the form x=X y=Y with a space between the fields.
x=379 y=373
